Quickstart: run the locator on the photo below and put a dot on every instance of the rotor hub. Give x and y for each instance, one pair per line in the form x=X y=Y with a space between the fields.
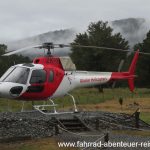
x=48 y=46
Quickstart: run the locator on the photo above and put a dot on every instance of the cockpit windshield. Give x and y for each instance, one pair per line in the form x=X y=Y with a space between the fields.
x=16 y=75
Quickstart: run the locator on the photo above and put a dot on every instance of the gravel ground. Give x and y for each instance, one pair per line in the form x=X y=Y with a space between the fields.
x=36 y=125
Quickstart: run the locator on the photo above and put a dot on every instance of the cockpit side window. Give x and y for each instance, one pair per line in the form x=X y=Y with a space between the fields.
x=38 y=76
x=7 y=73
x=16 y=75
x=51 y=76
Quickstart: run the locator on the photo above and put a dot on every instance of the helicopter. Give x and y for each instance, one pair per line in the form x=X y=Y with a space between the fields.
x=49 y=77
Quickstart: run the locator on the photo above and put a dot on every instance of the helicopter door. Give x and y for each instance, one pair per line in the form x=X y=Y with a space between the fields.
x=37 y=86
x=51 y=81
x=54 y=80
x=37 y=81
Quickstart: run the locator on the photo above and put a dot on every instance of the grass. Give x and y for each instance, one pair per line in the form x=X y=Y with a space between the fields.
x=83 y=96
x=145 y=117
x=91 y=99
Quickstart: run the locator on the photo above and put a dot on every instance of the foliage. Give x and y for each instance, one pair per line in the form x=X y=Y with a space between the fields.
x=98 y=34
x=143 y=66
x=7 y=61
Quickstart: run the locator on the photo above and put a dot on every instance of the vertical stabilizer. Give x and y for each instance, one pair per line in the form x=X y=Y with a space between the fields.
x=132 y=71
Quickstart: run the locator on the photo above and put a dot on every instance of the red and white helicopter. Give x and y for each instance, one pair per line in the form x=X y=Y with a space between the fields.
x=50 y=77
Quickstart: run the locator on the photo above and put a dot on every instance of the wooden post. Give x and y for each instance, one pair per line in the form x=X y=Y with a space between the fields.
x=137 y=118
x=56 y=129
x=97 y=124
x=55 y=125
x=106 y=137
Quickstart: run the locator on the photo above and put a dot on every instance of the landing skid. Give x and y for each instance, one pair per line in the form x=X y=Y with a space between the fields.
x=41 y=108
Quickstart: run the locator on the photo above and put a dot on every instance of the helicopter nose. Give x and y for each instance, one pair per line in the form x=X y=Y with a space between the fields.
x=10 y=90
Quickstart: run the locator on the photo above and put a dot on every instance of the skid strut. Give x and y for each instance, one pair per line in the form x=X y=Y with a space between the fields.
x=53 y=105
x=41 y=108
x=74 y=102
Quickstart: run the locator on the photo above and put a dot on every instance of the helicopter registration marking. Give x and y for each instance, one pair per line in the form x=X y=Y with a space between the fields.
x=93 y=80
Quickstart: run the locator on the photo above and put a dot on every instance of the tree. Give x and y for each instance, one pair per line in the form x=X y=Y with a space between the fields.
x=143 y=66
x=2 y=49
x=6 y=62
x=98 y=34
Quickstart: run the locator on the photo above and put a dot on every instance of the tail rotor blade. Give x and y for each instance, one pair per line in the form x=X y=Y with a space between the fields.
x=120 y=67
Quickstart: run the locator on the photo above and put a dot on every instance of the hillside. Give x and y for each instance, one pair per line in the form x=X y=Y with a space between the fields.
x=132 y=29
x=59 y=36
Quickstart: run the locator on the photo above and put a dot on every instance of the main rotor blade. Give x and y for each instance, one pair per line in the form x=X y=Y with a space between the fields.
x=106 y=48
x=20 y=50
x=52 y=46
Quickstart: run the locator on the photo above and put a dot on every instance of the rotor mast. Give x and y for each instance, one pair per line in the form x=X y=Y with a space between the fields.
x=48 y=46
